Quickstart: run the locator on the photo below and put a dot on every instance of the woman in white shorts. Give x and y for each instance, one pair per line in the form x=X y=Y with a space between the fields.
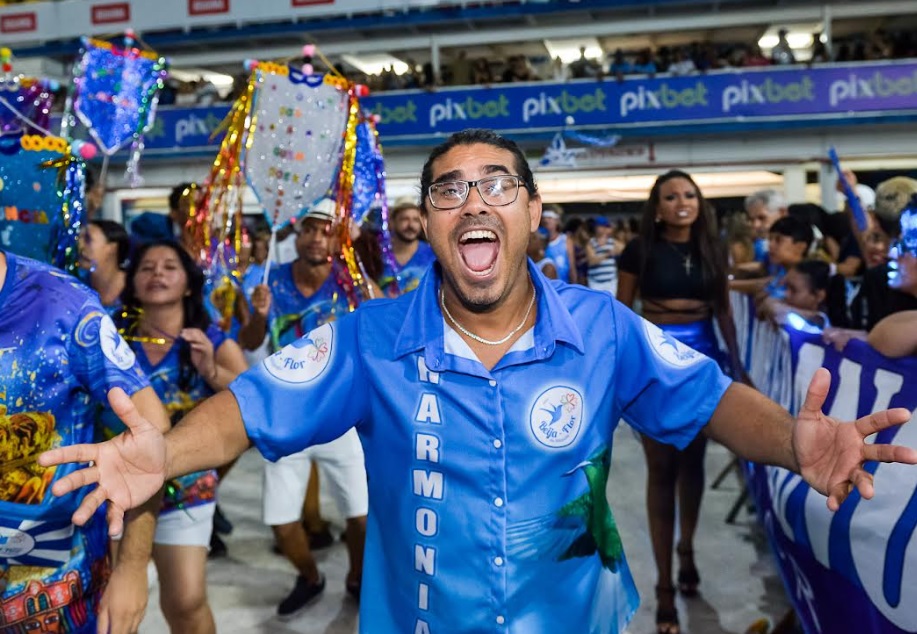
x=187 y=360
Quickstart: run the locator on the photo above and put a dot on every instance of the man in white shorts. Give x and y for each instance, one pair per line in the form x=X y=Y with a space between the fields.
x=299 y=297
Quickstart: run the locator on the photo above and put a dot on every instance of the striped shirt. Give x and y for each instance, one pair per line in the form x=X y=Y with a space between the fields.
x=604 y=275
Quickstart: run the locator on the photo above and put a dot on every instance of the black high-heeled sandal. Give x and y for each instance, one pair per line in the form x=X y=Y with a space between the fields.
x=666 y=618
x=688 y=577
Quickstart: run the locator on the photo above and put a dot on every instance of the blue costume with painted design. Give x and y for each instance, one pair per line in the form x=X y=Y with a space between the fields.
x=405 y=278
x=523 y=449
x=179 y=395
x=60 y=353
x=293 y=314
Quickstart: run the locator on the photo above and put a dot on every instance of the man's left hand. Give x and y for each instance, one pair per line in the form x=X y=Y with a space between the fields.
x=831 y=454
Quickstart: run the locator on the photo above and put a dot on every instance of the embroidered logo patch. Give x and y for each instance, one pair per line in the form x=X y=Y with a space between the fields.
x=670 y=349
x=557 y=416
x=114 y=347
x=14 y=543
x=304 y=359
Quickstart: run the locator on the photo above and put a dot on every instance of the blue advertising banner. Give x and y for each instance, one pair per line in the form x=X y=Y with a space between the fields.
x=826 y=91
x=854 y=570
x=744 y=97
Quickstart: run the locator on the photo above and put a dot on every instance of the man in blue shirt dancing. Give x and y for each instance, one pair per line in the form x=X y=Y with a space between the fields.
x=486 y=403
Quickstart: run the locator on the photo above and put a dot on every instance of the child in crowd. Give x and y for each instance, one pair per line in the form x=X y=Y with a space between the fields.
x=806 y=286
x=787 y=244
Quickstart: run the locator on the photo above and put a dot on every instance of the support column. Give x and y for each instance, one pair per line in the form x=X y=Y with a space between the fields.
x=434 y=61
x=827 y=181
x=794 y=183
x=826 y=30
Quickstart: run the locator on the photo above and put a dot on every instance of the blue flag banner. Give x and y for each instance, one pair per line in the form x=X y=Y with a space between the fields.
x=854 y=570
x=741 y=97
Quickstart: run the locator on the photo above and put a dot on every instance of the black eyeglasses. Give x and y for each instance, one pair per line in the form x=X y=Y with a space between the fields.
x=496 y=191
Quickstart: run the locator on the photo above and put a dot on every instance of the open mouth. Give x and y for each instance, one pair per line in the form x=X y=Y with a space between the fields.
x=479 y=249
x=683 y=213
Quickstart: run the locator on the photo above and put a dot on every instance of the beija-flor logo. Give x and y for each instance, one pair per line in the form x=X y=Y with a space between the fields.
x=557 y=416
x=114 y=347
x=304 y=359
x=14 y=543
x=668 y=348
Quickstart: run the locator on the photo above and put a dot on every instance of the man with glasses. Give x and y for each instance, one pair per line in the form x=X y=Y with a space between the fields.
x=486 y=402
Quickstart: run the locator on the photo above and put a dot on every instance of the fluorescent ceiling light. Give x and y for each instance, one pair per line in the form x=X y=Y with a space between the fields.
x=374 y=64
x=568 y=50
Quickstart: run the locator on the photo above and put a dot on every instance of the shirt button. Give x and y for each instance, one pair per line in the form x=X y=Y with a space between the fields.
x=497 y=443
x=498 y=561
x=498 y=502
x=500 y=620
x=492 y=383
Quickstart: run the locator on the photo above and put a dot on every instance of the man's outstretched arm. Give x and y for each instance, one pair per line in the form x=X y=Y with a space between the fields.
x=829 y=454
x=130 y=468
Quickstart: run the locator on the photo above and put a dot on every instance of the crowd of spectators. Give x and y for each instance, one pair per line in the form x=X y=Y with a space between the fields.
x=696 y=57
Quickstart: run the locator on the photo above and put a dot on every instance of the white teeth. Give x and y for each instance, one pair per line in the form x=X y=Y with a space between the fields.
x=478 y=234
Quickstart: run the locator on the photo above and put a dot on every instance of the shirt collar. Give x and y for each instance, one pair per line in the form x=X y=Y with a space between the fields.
x=423 y=324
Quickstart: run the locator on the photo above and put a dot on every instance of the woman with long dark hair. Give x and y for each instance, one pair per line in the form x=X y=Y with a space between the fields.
x=677 y=267
x=187 y=360
x=105 y=250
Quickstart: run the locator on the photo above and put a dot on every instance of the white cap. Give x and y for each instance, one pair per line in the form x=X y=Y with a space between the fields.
x=865 y=193
x=322 y=210
x=550 y=214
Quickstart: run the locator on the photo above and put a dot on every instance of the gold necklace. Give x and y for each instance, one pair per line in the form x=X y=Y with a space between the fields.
x=465 y=331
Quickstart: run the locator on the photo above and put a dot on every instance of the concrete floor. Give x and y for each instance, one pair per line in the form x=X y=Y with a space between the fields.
x=739 y=579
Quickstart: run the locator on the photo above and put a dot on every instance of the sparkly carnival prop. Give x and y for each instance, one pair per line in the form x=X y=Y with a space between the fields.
x=292 y=137
x=41 y=194
x=115 y=91
x=25 y=105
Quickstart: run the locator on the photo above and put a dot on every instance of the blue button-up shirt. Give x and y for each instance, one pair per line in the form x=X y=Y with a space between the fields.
x=487 y=487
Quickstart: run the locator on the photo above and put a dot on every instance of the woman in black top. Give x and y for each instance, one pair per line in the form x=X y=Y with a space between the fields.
x=677 y=266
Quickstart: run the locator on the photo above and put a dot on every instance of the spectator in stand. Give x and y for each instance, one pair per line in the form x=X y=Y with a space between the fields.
x=644 y=64
x=559 y=70
x=820 y=54
x=756 y=58
x=683 y=64
x=518 y=70
x=481 y=72
x=663 y=59
x=782 y=53
x=584 y=67
x=620 y=65
x=460 y=70
x=580 y=233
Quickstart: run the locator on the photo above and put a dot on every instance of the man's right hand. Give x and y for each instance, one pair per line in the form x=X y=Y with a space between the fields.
x=129 y=468
x=261 y=300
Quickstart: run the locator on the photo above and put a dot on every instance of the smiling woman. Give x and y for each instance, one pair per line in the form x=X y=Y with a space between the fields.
x=679 y=271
